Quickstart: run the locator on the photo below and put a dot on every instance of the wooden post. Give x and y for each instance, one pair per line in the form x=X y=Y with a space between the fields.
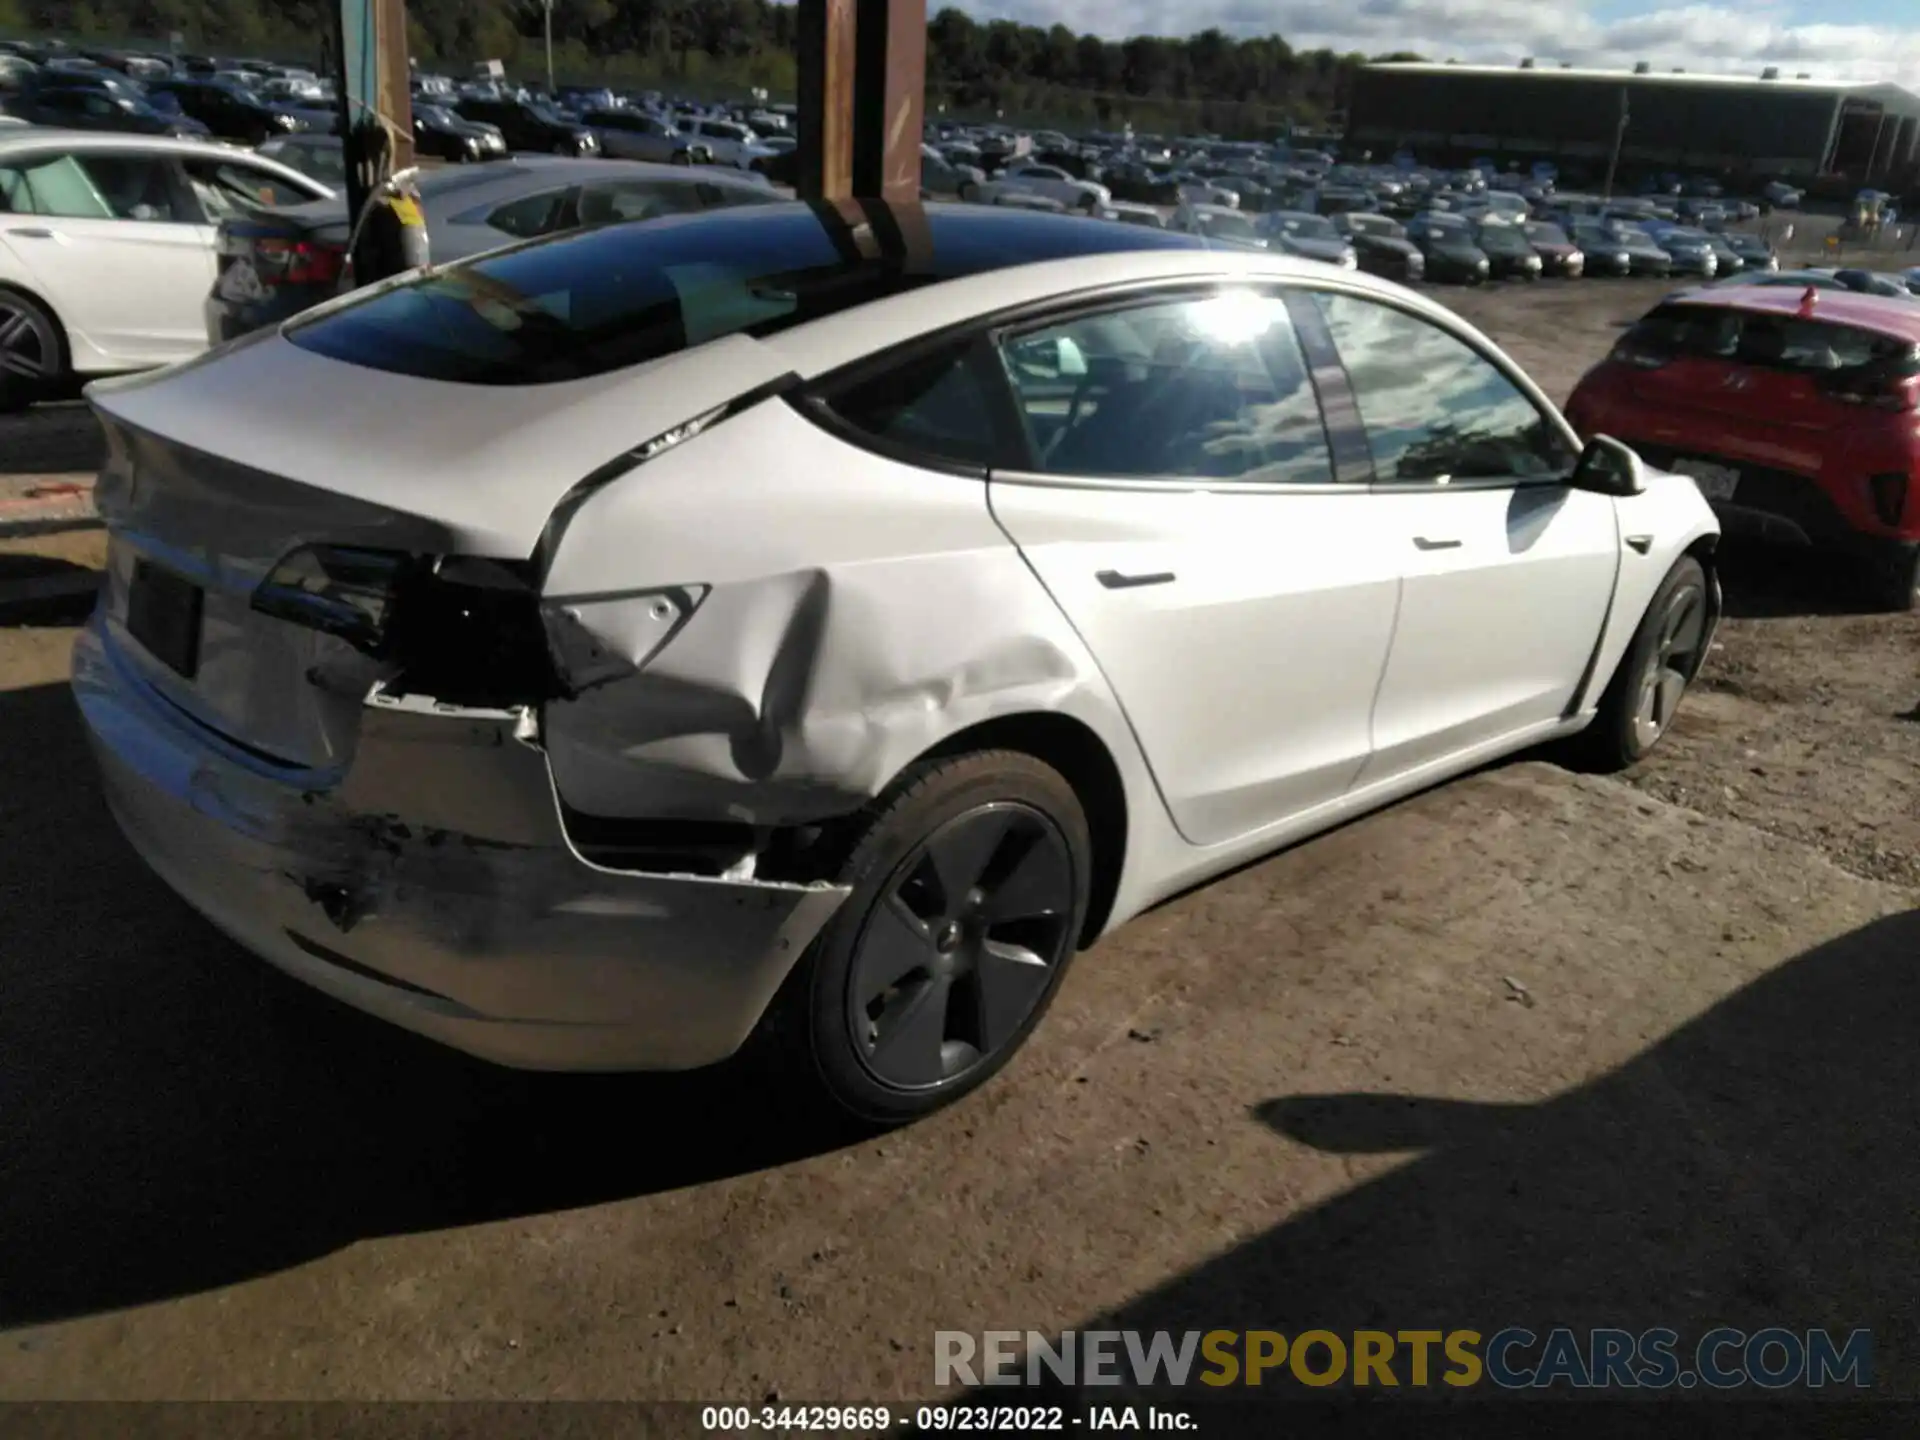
x=374 y=82
x=824 y=155
x=889 y=98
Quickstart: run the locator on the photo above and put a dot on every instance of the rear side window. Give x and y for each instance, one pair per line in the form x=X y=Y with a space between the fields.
x=937 y=406
x=532 y=215
x=1774 y=342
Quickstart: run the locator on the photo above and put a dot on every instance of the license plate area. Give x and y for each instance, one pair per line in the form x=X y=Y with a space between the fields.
x=163 y=614
x=1716 y=482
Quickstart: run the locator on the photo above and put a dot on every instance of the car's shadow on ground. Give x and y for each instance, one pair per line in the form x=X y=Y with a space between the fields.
x=1754 y=1168
x=176 y=1115
x=1763 y=581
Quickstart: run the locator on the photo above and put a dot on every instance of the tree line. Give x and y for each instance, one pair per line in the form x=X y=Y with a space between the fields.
x=975 y=69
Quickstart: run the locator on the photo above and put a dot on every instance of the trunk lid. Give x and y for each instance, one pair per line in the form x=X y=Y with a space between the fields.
x=483 y=464
x=219 y=469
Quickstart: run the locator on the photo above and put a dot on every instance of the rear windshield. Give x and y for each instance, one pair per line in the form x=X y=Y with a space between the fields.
x=1777 y=342
x=620 y=295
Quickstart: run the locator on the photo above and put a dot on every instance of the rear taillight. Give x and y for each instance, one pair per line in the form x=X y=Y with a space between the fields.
x=342 y=590
x=298 y=262
x=1638 y=357
x=1898 y=394
x=1889 y=497
x=467 y=632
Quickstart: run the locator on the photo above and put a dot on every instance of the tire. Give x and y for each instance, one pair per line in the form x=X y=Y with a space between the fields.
x=1087 y=205
x=886 y=1053
x=565 y=148
x=33 y=351
x=969 y=191
x=1893 y=578
x=681 y=157
x=1665 y=654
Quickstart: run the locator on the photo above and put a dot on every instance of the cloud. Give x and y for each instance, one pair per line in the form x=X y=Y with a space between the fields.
x=1696 y=37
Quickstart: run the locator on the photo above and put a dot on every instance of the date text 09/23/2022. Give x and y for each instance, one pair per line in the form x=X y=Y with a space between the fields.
x=877 y=1419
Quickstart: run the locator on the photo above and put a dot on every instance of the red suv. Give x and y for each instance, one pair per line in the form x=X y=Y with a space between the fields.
x=1797 y=414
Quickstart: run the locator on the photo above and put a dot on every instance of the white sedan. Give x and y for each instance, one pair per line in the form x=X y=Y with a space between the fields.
x=107 y=248
x=1048 y=182
x=765 y=621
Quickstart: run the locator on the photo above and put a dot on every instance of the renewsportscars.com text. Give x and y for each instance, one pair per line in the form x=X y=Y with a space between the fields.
x=1514 y=1358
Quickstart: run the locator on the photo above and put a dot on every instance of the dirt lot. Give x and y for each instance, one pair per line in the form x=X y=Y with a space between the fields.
x=1529 y=1049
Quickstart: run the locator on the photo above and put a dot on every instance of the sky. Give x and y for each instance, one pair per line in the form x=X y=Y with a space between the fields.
x=1830 y=39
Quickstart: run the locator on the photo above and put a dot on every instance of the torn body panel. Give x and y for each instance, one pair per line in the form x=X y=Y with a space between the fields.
x=851 y=624
x=434 y=884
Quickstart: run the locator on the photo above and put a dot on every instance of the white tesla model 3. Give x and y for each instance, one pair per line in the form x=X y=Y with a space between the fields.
x=825 y=621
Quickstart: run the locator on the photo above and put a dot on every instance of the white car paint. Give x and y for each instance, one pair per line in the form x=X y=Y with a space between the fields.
x=1322 y=650
x=128 y=293
x=1048 y=182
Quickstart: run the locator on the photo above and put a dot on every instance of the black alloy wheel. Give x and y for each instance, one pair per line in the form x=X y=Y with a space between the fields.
x=968 y=883
x=31 y=357
x=954 y=960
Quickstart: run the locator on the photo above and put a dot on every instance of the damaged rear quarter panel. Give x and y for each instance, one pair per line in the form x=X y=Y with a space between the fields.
x=852 y=612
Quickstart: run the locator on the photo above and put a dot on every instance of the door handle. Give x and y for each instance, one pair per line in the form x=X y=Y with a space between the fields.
x=1114 y=580
x=33 y=232
x=1424 y=542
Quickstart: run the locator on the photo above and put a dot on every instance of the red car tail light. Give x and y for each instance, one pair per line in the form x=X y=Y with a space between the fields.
x=1889 y=497
x=1638 y=356
x=1898 y=393
x=298 y=262
x=342 y=590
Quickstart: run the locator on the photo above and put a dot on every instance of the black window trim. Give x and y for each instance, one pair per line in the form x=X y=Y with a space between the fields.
x=1456 y=329
x=818 y=403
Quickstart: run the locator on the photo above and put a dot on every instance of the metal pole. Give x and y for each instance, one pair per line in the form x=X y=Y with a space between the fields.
x=549 y=8
x=1619 y=139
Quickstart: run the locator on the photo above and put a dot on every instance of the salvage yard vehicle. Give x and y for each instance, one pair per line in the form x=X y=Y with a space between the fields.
x=107 y=249
x=1794 y=410
x=275 y=263
x=1066 y=566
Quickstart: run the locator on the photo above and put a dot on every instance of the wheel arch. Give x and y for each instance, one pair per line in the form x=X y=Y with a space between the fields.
x=1071 y=747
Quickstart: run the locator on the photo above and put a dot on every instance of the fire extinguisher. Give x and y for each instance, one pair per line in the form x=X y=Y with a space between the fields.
x=390 y=236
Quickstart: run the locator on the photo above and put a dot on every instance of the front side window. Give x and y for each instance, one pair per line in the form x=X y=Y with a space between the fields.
x=1434 y=408
x=1212 y=387
x=92 y=187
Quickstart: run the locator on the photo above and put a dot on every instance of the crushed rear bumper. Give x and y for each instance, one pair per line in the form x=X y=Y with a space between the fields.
x=433 y=884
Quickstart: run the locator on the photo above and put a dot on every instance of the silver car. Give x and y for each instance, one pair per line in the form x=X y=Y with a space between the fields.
x=825 y=625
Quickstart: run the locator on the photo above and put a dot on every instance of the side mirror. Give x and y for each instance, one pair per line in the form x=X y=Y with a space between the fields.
x=1607 y=467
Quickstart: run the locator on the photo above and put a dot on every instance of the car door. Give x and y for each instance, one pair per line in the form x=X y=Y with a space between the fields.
x=1507 y=571
x=1179 y=498
x=110 y=240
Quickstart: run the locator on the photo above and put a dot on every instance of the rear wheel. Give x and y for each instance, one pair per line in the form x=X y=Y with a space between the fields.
x=32 y=355
x=1641 y=700
x=1893 y=578
x=969 y=191
x=969 y=887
